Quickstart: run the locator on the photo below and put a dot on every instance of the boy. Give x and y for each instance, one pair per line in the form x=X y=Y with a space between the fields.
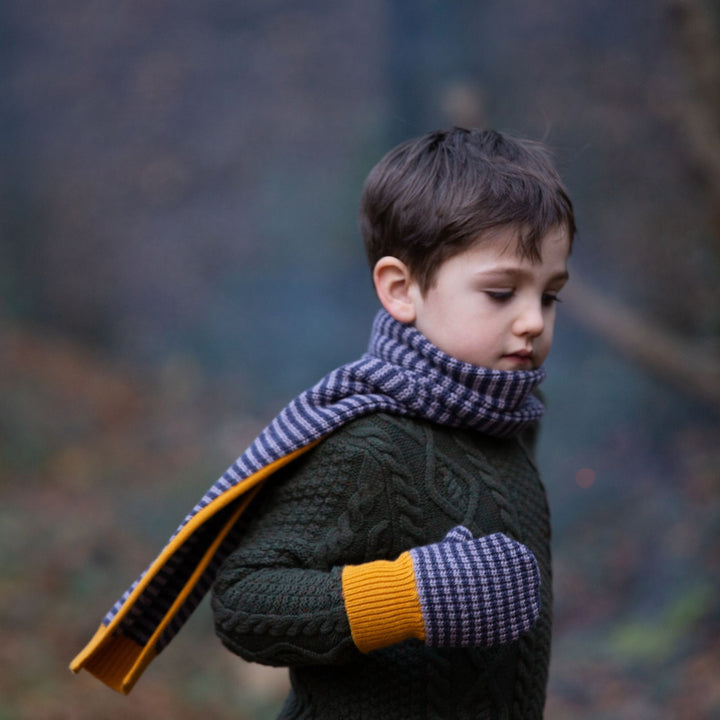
x=468 y=235
x=398 y=559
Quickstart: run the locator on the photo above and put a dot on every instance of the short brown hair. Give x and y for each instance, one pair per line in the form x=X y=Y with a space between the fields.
x=433 y=196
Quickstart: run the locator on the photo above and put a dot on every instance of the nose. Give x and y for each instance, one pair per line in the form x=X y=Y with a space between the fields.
x=530 y=320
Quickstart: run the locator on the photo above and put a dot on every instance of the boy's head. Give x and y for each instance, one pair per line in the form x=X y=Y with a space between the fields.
x=468 y=233
x=434 y=196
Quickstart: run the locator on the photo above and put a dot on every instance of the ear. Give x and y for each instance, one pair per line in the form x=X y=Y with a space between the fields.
x=395 y=288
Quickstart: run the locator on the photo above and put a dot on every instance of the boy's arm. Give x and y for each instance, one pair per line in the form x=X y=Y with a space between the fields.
x=305 y=587
x=278 y=597
x=283 y=617
x=461 y=592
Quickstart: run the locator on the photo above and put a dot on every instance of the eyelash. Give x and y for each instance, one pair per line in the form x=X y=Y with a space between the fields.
x=505 y=295
x=500 y=295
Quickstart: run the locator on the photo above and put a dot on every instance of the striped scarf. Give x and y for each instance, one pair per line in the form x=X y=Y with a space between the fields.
x=401 y=373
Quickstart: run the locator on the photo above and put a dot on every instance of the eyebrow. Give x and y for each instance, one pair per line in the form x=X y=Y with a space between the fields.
x=510 y=272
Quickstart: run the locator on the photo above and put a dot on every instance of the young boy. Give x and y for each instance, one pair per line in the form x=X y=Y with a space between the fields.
x=357 y=568
x=397 y=559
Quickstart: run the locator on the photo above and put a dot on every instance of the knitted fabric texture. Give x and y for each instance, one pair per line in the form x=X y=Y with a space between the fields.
x=476 y=593
x=382 y=603
x=461 y=592
x=401 y=373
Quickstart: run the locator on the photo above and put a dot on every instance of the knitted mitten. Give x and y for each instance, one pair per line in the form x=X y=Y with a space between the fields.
x=460 y=592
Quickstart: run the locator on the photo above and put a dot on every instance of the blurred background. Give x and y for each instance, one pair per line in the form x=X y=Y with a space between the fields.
x=179 y=256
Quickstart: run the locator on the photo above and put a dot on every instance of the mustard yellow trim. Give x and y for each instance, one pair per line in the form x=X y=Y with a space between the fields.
x=117 y=660
x=382 y=603
x=114 y=659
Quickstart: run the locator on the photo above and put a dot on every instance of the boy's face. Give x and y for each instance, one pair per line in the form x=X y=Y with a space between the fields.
x=490 y=307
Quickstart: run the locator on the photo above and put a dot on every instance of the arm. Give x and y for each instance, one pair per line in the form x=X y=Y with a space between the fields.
x=311 y=584
x=278 y=597
x=287 y=616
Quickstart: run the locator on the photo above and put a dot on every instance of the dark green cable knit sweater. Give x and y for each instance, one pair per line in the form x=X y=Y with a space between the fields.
x=373 y=489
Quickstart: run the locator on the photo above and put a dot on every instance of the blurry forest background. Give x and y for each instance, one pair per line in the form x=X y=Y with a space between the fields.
x=179 y=256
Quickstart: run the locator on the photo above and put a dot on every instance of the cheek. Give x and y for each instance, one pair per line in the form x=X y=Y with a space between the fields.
x=546 y=341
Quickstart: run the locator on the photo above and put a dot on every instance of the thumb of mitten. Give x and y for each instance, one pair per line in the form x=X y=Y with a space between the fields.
x=458 y=534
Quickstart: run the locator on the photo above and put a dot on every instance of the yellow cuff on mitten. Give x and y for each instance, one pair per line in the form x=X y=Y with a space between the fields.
x=382 y=603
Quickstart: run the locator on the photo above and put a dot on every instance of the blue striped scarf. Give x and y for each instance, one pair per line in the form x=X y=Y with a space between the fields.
x=401 y=373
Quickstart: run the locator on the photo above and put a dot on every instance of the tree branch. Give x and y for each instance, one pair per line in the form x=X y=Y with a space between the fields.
x=690 y=367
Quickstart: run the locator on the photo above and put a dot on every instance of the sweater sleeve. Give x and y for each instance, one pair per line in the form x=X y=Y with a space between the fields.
x=278 y=598
x=335 y=561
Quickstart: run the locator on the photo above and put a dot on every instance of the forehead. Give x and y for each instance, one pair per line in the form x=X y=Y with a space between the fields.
x=507 y=242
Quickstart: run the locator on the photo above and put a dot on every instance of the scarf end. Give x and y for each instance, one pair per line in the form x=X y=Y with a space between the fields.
x=114 y=659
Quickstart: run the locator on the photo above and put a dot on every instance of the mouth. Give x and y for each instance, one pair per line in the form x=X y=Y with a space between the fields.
x=521 y=357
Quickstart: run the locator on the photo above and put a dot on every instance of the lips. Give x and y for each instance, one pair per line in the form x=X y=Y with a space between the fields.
x=524 y=354
x=521 y=357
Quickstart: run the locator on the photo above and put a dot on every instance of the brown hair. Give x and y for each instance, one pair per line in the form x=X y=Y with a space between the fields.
x=433 y=196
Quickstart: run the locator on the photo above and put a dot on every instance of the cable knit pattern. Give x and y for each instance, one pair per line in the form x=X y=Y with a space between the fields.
x=377 y=487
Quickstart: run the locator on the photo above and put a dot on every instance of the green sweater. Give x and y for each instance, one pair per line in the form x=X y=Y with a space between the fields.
x=373 y=489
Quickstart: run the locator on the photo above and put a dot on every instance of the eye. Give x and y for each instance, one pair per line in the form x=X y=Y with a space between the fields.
x=549 y=299
x=500 y=295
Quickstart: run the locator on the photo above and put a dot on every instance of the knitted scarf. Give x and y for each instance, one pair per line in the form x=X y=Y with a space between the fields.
x=401 y=373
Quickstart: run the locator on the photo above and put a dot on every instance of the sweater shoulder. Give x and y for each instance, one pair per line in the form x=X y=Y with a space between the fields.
x=412 y=434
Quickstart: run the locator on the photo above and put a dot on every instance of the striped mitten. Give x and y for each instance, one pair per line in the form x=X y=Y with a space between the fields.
x=460 y=592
